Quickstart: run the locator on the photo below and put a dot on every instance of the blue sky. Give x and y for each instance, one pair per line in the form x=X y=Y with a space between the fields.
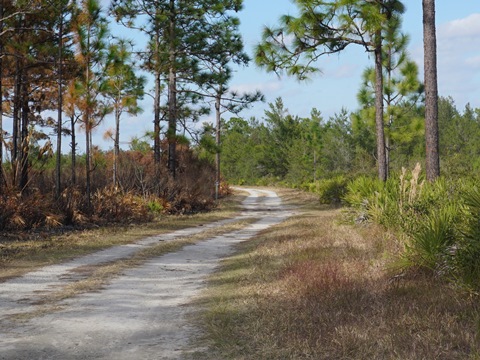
x=458 y=37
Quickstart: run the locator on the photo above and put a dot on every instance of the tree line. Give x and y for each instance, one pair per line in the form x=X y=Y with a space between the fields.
x=63 y=69
x=282 y=147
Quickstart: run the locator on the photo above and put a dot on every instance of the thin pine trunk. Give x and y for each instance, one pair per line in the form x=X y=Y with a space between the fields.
x=431 y=91
x=58 y=165
x=172 y=96
x=116 y=150
x=381 y=153
x=156 y=108
x=217 y=141
x=74 y=151
x=25 y=149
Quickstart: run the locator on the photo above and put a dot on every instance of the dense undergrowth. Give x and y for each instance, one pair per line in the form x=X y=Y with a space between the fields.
x=140 y=193
x=438 y=223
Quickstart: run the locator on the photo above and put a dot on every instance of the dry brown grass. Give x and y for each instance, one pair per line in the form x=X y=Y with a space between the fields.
x=313 y=288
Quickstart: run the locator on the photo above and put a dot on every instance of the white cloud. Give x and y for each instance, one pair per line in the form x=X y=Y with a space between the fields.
x=345 y=71
x=265 y=87
x=458 y=44
x=460 y=35
x=468 y=27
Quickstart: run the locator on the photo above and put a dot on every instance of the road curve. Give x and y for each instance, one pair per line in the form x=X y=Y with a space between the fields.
x=140 y=314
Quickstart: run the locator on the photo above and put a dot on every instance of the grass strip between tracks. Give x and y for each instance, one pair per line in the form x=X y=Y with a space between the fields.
x=93 y=278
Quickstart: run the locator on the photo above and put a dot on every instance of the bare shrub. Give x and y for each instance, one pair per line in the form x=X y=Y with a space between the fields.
x=35 y=210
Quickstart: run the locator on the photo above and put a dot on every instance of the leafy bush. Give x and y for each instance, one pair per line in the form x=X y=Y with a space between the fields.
x=332 y=191
x=360 y=190
x=155 y=206
x=375 y=200
x=427 y=216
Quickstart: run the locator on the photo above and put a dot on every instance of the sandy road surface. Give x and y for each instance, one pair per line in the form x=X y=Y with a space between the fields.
x=139 y=315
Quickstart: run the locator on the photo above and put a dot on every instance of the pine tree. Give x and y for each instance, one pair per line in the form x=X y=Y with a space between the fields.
x=216 y=73
x=402 y=90
x=29 y=50
x=325 y=28
x=70 y=101
x=182 y=38
x=90 y=32
x=63 y=11
x=124 y=88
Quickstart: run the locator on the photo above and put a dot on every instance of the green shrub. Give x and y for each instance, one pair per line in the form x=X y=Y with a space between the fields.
x=427 y=216
x=330 y=191
x=155 y=206
x=466 y=261
x=360 y=191
x=430 y=244
x=375 y=200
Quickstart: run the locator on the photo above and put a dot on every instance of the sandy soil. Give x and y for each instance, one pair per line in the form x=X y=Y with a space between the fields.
x=139 y=315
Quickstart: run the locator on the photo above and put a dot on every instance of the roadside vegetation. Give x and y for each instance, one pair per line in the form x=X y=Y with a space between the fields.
x=22 y=252
x=318 y=287
x=435 y=222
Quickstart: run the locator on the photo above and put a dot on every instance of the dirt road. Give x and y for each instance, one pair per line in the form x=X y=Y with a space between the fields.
x=141 y=314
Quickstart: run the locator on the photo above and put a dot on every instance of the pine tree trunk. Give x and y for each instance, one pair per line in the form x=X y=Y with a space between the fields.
x=217 y=141
x=431 y=91
x=88 y=155
x=58 y=165
x=380 y=134
x=156 y=124
x=24 y=141
x=116 y=150
x=16 y=121
x=156 y=107
x=74 y=151
x=172 y=96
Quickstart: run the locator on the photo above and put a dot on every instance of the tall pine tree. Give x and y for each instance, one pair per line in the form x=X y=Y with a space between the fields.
x=91 y=33
x=329 y=27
